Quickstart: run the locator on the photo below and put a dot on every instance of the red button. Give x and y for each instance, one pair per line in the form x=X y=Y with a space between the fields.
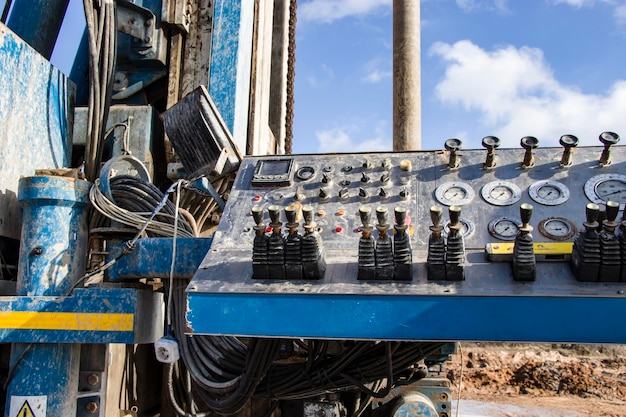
x=268 y=229
x=338 y=229
x=257 y=198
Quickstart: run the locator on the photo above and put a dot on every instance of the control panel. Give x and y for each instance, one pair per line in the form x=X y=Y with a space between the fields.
x=531 y=221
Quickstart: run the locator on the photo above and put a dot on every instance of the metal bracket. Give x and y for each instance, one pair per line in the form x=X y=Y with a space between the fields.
x=137 y=22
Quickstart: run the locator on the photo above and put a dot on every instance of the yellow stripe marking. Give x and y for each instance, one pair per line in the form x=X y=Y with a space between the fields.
x=541 y=248
x=66 y=321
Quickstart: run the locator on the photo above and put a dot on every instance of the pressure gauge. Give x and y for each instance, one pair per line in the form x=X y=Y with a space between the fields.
x=454 y=193
x=605 y=187
x=504 y=228
x=549 y=192
x=557 y=228
x=501 y=193
x=467 y=228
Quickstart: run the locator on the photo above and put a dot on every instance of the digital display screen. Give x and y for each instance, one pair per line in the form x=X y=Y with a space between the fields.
x=273 y=173
x=275 y=167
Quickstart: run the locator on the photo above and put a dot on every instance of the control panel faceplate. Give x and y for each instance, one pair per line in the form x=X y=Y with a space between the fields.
x=337 y=185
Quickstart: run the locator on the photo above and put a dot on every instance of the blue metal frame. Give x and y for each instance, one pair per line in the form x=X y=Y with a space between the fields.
x=110 y=310
x=152 y=257
x=422 y=317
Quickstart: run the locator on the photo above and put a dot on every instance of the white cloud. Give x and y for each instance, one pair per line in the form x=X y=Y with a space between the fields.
x=619 y=10
x=516 y=94
x=339 y=139
x=471 y=5
x=376 y=76
x=328 y=11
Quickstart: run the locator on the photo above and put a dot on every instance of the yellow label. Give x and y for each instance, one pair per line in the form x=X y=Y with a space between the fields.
x=66 y=321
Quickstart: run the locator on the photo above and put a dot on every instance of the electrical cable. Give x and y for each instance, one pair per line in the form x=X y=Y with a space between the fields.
x=458 y=396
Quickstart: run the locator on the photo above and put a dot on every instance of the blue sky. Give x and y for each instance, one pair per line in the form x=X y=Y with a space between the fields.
x=489 y=67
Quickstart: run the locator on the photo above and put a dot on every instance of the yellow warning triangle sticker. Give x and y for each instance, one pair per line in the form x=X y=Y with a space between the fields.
x=25 y=411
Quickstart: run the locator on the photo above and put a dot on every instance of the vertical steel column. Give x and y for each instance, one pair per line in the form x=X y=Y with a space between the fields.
x=52 y=259
x=407 y=104
x=38 y=22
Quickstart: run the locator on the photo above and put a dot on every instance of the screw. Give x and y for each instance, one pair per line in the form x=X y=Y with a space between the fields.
x=93 y=379
x=148 y=39
x=148 y=22
x=443 y=397
x=91 y=407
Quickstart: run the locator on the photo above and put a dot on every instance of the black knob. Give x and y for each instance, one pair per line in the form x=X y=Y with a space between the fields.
x=592 y=211
x=290 y=213
x=491 y=143
x=365 y=178
x=400 y=214
x=608 y=139
x=323 y=195
x=366 y=215
x=307 y=214
x=567 y=142
x=455 y=215
x=404 y=194
x=525 y=213
x=453 y=145
x=326 y=179
x=529 y=143
x=382 y=215
x=386 y=163
x=363 y=194
x=383 y=194
x=367 y=164
x=257 y=214
x=384 y=179
x=436 y=214
x=612 y=208
x=274 y=213
x=344 y=194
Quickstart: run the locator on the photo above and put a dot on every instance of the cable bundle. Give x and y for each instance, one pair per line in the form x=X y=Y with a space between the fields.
x=102 y=30
x=135 y=200
x=226 y=372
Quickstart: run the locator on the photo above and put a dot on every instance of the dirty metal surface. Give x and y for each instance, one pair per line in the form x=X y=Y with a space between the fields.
x=488 y=305
x=36 y=111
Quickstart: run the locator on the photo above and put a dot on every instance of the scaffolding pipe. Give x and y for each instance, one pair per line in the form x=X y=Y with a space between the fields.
x=407 y=105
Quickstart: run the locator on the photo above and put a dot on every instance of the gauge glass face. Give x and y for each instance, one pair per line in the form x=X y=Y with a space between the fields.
x=504 y=228
x=613 y=190
x=607 y=187
x=501 y=193
x=454 y=193
x=557 y=228
x=549 y=193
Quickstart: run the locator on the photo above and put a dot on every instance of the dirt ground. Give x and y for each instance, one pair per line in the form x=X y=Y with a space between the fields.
x=588 y=379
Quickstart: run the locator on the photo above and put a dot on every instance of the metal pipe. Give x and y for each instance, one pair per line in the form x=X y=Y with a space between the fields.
x=52 y=259
x=407 y=105
x=38 y=22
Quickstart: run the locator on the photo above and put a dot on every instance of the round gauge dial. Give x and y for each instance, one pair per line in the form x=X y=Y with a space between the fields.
x=501 y=193
x=557 y=228
x=504 y=228
x=549 y=193
x=454 y=193
x=607 y=187
x=467 y=227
